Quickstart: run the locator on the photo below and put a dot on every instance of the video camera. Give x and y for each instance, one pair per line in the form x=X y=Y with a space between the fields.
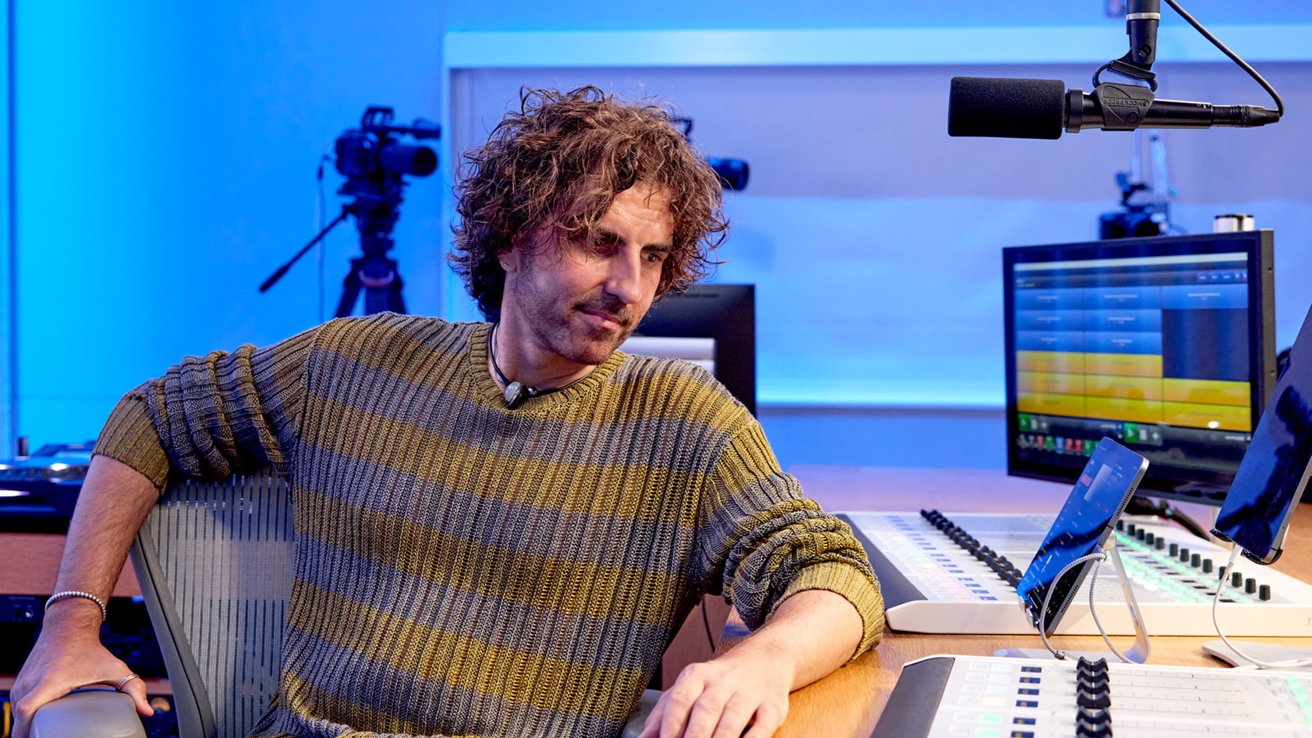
x=372 y=149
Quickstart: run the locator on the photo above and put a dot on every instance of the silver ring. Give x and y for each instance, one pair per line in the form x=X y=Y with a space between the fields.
x=123 y=682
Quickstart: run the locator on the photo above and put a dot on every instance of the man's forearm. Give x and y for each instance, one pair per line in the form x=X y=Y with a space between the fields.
x=114 y=501
x=809 y=635
x=814 y=632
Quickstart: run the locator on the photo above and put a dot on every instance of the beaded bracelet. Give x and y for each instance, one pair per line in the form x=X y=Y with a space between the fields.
x=70 y=593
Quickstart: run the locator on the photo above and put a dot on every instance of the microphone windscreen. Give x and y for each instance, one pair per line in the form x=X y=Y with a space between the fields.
x=1006 y=108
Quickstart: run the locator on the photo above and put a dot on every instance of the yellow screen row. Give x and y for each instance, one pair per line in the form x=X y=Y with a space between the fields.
x=1071 y=362
x=1185 y=414
x=1199 y=391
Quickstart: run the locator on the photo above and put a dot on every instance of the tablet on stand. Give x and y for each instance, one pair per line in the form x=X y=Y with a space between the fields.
x=1080 y=536
x=1271 y=477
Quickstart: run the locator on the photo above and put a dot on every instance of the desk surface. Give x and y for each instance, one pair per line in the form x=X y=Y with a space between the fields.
x=848 y=702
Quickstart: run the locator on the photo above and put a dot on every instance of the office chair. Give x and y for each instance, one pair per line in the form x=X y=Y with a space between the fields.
x=214 y=561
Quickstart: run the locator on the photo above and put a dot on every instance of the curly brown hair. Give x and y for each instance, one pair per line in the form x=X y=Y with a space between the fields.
x=558 y=163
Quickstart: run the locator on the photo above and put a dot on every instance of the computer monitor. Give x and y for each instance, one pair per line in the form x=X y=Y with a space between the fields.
x=1164 y=344
x=714 y=325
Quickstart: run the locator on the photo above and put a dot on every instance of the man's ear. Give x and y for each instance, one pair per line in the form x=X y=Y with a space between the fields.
x=510 y=259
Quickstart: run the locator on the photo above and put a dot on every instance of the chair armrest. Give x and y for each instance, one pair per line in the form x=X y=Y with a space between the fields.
x=93 y=713
x=634 y=726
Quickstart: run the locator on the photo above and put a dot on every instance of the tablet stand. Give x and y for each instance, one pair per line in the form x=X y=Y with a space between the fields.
x=1137 y=654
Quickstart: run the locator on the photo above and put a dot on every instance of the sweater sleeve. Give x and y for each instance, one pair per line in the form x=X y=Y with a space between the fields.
x=771 y=543
x=214 y=415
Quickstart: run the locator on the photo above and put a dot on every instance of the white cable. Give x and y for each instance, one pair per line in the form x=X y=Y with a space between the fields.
x=1253 y=662
x=1098 y=558
x=1047 y=599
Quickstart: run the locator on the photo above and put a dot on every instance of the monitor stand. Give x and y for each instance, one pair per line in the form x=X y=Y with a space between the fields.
x=1137 y=654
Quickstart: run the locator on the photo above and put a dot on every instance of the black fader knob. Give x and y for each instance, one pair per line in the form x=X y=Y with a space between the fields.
x=1250 y=585
x=1264 y=593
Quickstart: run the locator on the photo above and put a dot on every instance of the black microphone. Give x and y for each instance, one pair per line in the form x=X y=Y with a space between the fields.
x=1043 y=108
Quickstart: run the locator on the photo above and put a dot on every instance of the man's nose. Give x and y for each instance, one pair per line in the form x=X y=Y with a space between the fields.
x=624 y=279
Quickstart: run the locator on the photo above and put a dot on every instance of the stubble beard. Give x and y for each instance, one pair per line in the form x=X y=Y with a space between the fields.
x=572 y=338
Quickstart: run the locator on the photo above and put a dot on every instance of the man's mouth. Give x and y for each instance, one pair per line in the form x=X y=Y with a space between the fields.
x=604 y=316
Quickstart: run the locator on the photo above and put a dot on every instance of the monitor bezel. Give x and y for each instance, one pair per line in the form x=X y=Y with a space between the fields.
x=1162 y=480
x=724 y=312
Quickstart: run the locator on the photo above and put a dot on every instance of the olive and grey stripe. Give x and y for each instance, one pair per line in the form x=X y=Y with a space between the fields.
x=463 y=568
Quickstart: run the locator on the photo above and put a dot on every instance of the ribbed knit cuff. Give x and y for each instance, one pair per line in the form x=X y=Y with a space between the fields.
x=129 y=436
x=852 y=584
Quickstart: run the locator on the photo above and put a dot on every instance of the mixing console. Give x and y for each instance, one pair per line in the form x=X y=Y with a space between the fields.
x=984 y=697
x=956 y=574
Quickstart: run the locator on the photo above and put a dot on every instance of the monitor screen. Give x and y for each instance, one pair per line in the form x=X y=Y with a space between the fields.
x=1164 y=344
x=713 y=325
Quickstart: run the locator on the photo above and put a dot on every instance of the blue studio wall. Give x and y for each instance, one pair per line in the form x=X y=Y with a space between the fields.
x=165 y=165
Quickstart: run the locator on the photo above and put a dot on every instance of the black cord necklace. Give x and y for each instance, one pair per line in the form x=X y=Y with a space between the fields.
x=517 y=392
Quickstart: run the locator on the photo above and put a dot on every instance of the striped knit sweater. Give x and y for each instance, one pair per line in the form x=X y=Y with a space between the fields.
x=463 y=569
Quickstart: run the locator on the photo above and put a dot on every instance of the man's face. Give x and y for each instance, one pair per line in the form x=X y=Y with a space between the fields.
x=578 y=300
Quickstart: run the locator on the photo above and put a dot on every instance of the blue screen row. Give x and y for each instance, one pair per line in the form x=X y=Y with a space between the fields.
x=1164 y=297
x=1093 y=342
x=1125 y=321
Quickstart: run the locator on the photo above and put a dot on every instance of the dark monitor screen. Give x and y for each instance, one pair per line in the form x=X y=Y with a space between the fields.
x=1258 y=508
x=723 y=317
x=1164 y=344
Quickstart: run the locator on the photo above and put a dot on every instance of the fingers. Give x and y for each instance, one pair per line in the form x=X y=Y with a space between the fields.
x=710 y=715
x=136 y=689
x=769 y=717
x=679 y=701
x=705 y=715
x=734 y=717
x=29 y=703
x=652 y=725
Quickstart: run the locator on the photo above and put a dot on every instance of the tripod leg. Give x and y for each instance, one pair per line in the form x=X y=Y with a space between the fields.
x=350 y=290
x=383 y=294
x=396 y=302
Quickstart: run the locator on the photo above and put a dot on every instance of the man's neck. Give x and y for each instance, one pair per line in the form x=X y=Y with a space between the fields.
x=529 y=364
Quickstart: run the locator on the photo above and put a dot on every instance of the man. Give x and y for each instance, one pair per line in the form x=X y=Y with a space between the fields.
x=499 y=526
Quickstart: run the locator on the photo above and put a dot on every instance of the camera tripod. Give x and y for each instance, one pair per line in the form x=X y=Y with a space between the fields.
x=377 y=275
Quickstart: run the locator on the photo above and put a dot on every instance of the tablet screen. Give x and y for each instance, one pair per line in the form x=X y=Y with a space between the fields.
x=1100 y=494
x=1256 y=511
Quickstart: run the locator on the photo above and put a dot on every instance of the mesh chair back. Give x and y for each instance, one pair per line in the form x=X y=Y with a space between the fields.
x=214 y=561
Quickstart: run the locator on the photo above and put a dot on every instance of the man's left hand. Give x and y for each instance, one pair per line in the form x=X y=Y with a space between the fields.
x=748 y=685
x=720 y=698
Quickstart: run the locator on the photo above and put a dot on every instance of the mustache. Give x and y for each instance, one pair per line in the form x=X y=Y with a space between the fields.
x=611 y=306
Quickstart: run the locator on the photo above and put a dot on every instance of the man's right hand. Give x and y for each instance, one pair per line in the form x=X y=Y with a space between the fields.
x=69 y=655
